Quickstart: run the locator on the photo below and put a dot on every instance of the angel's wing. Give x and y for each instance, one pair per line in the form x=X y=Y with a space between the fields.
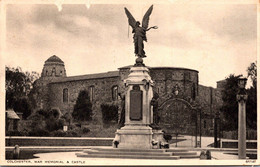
x=145 y=21
x=131 y=19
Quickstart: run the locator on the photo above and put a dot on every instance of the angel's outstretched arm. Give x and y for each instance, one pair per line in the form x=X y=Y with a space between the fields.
x=154 y=27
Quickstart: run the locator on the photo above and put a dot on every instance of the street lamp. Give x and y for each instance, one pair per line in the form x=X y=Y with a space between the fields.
x=241 y=98
x=216 y=130
x=242 y=84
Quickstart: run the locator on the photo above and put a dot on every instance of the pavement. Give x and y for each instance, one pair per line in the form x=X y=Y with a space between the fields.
x=216 y=153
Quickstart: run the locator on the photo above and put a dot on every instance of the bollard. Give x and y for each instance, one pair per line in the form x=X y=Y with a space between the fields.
x=208 y=154
x=203 y=155
x=116 y=143
x=16 y=152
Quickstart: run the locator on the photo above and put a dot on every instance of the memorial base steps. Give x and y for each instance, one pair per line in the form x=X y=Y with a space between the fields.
x=138 y=153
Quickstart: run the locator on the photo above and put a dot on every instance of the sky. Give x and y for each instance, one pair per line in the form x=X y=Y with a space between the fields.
x=215 y=39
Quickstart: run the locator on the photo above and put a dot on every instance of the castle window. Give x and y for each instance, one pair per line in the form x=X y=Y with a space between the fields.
x=193 y=91
x=65 y=95
x=91 y=93
x=46 y=72
x=205 y=123
x=53 y=71
x=60 y=72
x=115 y=93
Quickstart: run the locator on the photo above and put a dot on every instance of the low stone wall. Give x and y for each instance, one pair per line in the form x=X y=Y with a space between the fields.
x=250 y=134
x=234 y=144
x=57 y=141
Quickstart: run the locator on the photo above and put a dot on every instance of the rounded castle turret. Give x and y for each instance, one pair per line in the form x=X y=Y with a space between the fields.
x=53 y=67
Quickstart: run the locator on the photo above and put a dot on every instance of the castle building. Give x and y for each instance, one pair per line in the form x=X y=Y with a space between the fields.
x=184 y=105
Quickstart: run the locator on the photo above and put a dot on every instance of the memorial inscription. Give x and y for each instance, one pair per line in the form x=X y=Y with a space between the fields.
x=136 y=103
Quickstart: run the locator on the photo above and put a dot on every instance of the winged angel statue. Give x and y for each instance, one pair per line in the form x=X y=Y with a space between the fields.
x=140 y=32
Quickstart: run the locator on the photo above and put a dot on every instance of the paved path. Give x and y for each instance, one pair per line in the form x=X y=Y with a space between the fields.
x=71 y=156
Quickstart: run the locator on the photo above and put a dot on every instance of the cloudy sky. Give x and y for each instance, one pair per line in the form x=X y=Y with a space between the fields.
x=215 y=39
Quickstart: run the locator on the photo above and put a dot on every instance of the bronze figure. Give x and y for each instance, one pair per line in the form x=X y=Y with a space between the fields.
x=140 y=32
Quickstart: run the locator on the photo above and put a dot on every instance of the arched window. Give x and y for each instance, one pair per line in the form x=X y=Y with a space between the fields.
x=91 y=93
x=65 y=95
x=53 y=71
x=193 y=91
x=115 y=93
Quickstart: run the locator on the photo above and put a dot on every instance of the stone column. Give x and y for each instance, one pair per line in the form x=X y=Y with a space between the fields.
x=241 y=98
x=136 y=134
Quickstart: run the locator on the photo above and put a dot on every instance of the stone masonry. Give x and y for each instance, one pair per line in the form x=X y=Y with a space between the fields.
x=56 y=90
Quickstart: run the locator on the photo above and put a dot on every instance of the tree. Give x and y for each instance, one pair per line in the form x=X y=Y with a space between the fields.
x=109 y=113
x=22 y=105
x=252 y=73
x=230 y=106
x=251 y=105
x=83 y=108
x=18 y=85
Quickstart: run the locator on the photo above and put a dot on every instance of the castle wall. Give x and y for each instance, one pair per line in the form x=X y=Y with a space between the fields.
x=102 y=94
x=166 y=81
x=210 y=101
x=167 y=78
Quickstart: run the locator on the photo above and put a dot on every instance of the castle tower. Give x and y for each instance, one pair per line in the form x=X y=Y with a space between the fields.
x=53 y=67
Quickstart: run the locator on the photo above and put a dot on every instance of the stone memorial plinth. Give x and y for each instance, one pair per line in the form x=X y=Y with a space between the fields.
x=137 y=133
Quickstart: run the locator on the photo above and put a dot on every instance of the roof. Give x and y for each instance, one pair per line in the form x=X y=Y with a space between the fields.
x=175 y=68
x=54 y=58
x=224 y=80
x=11 y=114
x=88 y=76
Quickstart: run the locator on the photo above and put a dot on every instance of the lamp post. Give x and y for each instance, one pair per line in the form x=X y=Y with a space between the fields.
x=216 y=130
x=241 y=98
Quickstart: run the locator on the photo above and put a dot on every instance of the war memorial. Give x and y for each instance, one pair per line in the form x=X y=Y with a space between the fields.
x=153 y=102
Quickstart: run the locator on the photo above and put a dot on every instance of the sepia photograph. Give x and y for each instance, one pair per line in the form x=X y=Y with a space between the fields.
x=161 y=82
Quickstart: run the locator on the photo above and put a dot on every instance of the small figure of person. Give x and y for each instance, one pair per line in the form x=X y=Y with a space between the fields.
x=154 y=103
x=121 y=122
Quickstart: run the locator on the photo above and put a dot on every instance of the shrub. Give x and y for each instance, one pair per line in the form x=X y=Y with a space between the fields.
x=85 y=130
x=43 y=113
x=71 y=133
x=16 y=133
x=37 y=122
x=83 y=108
x=53 y=124
x=72 y=126
x=109 y=113
x=55 y=113
x=67 y=117
x=58 y=133
x=39 y=132
x=22 y=105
